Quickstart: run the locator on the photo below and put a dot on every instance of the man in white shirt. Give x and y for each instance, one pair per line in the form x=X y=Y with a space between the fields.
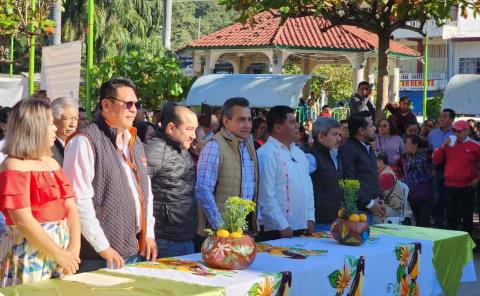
x=286 y=193
x=106 y=165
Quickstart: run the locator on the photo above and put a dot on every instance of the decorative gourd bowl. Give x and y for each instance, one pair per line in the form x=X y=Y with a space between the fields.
x=228 y=253
x=349 y=232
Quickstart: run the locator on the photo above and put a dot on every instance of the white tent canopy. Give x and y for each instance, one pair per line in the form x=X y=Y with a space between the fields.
x=463 y=94
x=265 y=90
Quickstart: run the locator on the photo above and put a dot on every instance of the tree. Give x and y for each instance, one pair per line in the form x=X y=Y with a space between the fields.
x=158 y=78
x=120 y=25
x=331 y=79
x=380 y=17
x=17 y=20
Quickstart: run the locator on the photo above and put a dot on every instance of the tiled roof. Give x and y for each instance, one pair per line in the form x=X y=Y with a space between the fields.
x=301 y=32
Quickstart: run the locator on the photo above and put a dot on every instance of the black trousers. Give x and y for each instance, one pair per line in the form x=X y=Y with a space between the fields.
x=459 y=200
x=421 y=212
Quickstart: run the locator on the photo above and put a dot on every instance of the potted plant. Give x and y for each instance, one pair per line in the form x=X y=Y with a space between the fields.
x=229 y=247
x=351 y=226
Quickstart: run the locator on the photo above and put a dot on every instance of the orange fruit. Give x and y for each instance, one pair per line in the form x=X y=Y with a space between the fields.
x=236 y=234
x=354 y=218
x=363 y=218
x=223 y=233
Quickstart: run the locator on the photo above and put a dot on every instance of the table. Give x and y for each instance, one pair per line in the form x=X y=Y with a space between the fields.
x=453 y=258
x=392 y=262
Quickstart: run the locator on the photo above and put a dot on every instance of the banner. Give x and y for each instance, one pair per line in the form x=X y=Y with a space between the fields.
x=60 y=75
x=12 y=90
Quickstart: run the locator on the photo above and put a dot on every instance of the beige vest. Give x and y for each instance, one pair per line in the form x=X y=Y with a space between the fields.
x=395 y=200
x=229 y=180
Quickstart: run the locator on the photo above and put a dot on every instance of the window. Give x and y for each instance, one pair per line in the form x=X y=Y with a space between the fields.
x=469 y=66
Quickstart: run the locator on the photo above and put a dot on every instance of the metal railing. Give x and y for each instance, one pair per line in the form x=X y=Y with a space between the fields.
x=419 y=76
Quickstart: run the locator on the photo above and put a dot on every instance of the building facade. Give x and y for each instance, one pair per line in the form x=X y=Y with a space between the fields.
x=452 y=49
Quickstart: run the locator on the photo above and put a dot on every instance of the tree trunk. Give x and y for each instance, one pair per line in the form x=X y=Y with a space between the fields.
x=56 y=15
x=382 y=86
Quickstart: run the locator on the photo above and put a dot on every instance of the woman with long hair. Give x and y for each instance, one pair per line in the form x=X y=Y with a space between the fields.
x=43 y=234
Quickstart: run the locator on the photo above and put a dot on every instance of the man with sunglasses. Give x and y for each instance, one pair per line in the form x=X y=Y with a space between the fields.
x=107 y=167
x=461 y=157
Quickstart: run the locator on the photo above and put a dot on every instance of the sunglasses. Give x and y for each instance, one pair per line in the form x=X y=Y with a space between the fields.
x=129 y=104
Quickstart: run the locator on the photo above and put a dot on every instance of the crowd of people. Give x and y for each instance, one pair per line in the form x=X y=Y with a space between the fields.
x=79 y=196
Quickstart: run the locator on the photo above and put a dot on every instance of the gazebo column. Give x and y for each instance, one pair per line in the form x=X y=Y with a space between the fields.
x=394 y=88
x=278 y=59
x=211 y=57
x=358 y=65
x=371 y=70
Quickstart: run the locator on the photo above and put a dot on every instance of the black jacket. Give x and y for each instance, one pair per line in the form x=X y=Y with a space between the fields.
x=173 y=185
x=359 y=104
x=327 y=191
x=360 y=164
x=58 y=151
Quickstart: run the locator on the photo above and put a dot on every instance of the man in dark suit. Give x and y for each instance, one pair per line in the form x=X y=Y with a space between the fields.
x=65 y=118
x=326 y=170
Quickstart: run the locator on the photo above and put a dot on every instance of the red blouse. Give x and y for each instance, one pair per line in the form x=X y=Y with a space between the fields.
x=44 y=192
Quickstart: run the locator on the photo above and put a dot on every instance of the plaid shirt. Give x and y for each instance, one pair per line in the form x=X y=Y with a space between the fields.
x=207 y=173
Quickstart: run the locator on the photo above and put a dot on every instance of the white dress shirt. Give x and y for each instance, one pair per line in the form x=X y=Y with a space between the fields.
x=79 y=167
x=285 y=195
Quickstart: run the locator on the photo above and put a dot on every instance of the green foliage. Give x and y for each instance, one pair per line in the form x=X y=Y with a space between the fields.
x=236 y=211
x=17 y=20
x=350 y=189
x=334 y=81
x=434 y=105
x=291 y=69
x=158 y=78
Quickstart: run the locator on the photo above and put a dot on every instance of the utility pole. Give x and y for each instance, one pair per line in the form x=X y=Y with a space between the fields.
x=90 y=12
x=56 y=15
x=198 y=33
x=31 y=58
x=167 y=23
x=11 y=56
x=425 y=77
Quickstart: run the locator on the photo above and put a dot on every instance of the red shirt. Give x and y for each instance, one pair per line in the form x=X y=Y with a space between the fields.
x=44 y=192
x=460 y=162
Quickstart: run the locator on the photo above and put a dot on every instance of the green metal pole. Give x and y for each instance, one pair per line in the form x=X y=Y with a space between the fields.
x=88 y=103
x=11 y=56
x=31 y=59
x=425 y=77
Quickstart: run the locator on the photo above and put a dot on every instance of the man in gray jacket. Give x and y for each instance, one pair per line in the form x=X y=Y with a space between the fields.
x=361 y=100
x=172 y=171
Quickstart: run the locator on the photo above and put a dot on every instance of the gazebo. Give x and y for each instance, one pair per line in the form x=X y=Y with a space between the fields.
x=307 y=41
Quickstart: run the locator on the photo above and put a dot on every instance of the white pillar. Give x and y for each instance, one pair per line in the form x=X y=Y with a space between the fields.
x=394 y=88
x=280 y=57
x=358 y=65
x=207 y=68
x=371 y=71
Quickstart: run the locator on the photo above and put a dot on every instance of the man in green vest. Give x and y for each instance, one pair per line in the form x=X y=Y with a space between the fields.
x=227 y=167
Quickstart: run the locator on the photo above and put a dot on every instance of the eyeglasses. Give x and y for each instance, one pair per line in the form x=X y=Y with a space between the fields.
x=128 y=104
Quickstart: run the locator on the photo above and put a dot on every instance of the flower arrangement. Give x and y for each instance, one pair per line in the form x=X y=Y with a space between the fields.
x=229 y=247
x=351 y=227
x=349 y=208
x=234 y=217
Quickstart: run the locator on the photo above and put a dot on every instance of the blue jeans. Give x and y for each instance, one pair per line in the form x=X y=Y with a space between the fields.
x=92 y=264
x=167 y=248
x=3 y=226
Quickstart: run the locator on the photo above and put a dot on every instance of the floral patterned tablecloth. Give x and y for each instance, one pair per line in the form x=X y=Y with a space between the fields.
x=316 y=265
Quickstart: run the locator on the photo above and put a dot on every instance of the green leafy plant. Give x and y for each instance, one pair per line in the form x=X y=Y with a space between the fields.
x=236 y=211
x=158 y=78
x=350 y=189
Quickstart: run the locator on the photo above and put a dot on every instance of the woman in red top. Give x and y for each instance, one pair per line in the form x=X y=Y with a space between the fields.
x=43 y=235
